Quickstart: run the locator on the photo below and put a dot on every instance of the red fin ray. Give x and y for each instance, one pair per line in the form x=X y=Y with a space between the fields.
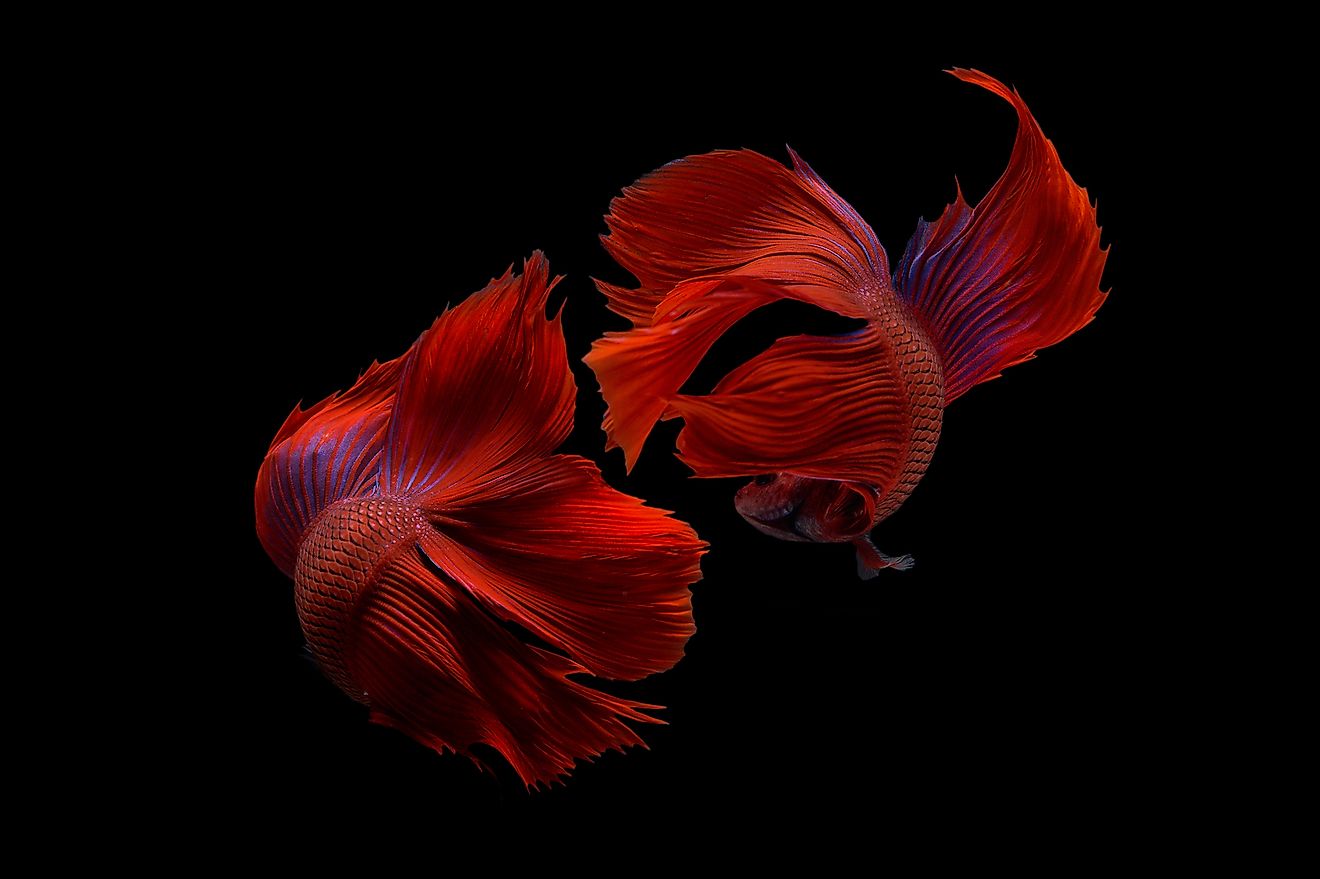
x=321 y=455
x=463 y=413
x=1020 y=271
x=828 y=407
x=640 y=370
x=586 y=568
x=737 y=212
x=710 y=238
x=437 y=667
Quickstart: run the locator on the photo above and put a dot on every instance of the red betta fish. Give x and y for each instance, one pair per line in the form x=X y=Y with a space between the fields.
x=423 y=506
x=837 y=431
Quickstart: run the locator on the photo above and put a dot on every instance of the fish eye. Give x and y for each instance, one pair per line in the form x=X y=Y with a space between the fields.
x=764 y=479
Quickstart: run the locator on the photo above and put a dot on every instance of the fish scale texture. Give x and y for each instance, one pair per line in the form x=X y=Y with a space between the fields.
x=923 y=384
x=338 y=561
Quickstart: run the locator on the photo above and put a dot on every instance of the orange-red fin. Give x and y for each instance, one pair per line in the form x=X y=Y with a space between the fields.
x=638 y=305
x=739 y=212
x=586 y=568
x=437 y=666
x=829 y=407
x=710 y=238
x=1018 y=272
x=640 y=370
x=463 y=414
x=321 y=455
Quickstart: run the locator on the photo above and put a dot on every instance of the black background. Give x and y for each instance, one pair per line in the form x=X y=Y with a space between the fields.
x=1003 y=675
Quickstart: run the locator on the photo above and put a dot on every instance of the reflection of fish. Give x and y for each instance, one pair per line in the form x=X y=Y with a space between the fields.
x=422 y=507
x=837 y=430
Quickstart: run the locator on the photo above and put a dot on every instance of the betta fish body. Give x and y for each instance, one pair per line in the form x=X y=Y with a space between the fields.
x=423 y=508
x=837 y=431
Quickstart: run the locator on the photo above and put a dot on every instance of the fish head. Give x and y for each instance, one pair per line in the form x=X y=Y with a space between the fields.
x=804 y=508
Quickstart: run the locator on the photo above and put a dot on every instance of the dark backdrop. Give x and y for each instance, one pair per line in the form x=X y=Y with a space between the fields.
x=999 y=674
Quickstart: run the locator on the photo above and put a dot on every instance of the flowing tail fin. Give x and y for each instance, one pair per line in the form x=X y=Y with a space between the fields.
x=1020 y=271
x=514 y=535
x=438 y=667
x=710 y=239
